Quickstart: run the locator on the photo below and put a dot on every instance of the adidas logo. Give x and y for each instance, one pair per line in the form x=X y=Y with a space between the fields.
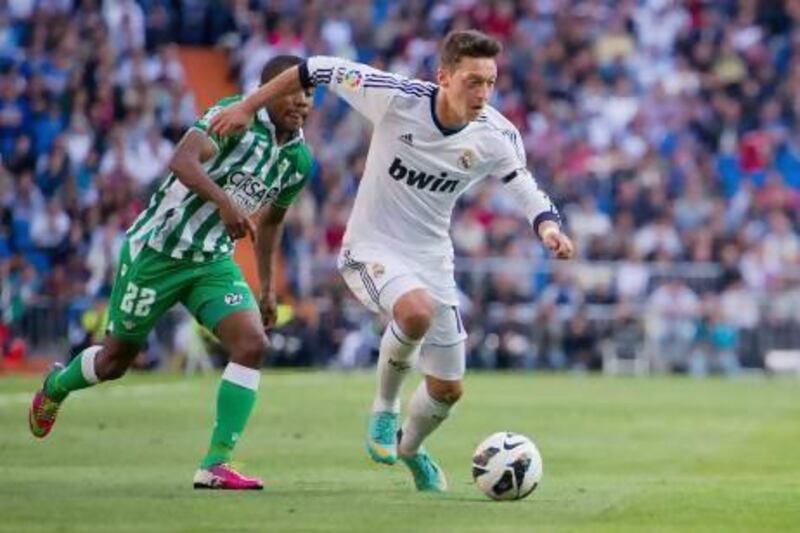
x=407 y=138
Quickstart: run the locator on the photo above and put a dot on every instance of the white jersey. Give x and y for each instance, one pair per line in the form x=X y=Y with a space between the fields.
x=416 y=169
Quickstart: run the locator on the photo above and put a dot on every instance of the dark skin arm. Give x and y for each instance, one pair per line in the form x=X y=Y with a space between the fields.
x=239 y=115
x=268 y=236
x=194 y=149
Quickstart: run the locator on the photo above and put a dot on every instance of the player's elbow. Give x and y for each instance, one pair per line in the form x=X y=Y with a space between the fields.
x=181 y=166
x=177 y=163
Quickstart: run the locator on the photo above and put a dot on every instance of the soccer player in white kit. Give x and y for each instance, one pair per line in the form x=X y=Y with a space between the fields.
x=430 y=143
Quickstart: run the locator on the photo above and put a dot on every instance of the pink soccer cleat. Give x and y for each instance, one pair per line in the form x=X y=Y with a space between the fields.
x=224 y=477
x=43 y=411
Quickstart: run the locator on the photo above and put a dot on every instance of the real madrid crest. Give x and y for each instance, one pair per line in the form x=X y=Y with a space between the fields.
x=467 y=159
x=377 y=270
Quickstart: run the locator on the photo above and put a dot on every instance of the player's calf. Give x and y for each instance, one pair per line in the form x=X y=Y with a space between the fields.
x=397 y=351
x=242 y=335
x=425 y=414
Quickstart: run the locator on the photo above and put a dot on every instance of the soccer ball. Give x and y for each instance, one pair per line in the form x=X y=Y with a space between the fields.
x=507 y=466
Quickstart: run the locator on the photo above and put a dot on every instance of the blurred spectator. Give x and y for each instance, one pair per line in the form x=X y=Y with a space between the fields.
x=674 y=309
x=587 y=222
x=659 y=237
x=51 y=227
x=563 y=294
x=716 y=344
x=580 y=343
x=125 y=23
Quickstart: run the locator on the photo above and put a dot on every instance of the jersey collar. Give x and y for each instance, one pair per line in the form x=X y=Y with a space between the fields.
x=444 y=130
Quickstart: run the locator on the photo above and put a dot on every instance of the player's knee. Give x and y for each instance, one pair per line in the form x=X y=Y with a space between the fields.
x=414 y=315
x=250 y=350
x=110 y=365
x=415 y=323
x=452 y=394
x=448 y=392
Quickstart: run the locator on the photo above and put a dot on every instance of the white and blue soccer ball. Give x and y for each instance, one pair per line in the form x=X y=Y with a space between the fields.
x=507 y=466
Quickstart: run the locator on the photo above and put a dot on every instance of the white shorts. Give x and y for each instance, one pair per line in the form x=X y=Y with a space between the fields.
x=378 y=277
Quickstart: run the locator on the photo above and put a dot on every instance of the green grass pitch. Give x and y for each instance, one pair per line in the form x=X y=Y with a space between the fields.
x=619 y=455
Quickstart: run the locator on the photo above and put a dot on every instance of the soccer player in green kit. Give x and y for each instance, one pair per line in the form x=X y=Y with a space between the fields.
x=179 y=250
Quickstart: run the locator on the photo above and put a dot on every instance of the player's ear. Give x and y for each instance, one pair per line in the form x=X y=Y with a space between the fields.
x=443 y=76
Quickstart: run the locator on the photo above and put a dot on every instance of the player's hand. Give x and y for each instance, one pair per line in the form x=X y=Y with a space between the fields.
x=233 y=119
x=268 y=305
x=237 y=224
x=556 y=241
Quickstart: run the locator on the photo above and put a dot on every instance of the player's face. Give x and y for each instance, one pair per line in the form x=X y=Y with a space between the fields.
x=469 y=85
x=289 y=113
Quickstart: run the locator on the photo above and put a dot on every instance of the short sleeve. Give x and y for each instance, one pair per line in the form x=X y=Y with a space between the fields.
x=204 y=121
x=368 y=90
x=511 y=156
x=296 y=182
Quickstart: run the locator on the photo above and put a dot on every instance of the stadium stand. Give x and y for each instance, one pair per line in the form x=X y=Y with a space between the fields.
x=665 y=130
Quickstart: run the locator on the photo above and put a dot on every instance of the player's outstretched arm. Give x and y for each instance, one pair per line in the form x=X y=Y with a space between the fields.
x=367 y=89
x=535 y=203
x=238 y=116
x=187 y=164
x=540 y=212
x=268 y=236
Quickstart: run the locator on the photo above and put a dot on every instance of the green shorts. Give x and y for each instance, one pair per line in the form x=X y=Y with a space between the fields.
x=148 y=285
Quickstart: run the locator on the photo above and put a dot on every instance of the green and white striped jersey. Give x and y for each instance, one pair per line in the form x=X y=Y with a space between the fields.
x=250 y=167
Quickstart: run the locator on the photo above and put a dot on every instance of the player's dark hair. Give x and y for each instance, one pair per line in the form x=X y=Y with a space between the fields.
x=467 y=43
x=278 y=64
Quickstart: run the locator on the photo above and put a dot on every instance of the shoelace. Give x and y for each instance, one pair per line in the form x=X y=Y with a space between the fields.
x=426 y=466
x=229 y=469
x=47 y=410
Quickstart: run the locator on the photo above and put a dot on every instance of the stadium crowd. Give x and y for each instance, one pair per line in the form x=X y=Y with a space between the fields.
x=665 y=130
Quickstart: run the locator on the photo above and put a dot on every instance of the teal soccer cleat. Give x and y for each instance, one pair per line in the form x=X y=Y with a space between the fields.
x=382 y=437
x=428 y=476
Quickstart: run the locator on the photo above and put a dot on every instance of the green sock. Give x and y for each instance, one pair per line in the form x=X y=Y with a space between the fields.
x=79 y=374
x=235 y=400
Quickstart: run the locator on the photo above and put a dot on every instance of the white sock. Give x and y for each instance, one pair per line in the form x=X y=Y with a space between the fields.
x=394 y=362
x=424 y=416
x=87 y=364
x=246 y=377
